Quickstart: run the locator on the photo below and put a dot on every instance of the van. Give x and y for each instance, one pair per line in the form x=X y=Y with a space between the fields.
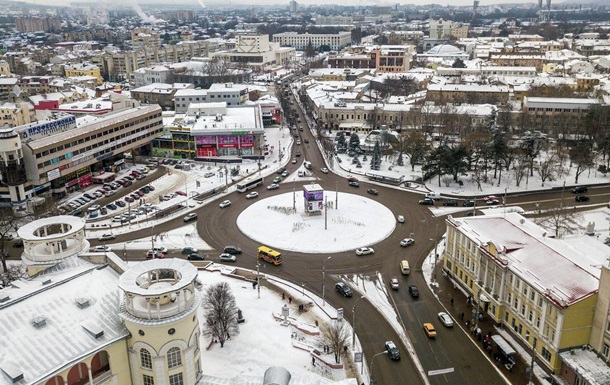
x=404 y=267
x=433 y=195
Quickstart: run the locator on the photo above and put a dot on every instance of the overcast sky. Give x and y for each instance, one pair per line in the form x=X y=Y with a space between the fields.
x=276 y=2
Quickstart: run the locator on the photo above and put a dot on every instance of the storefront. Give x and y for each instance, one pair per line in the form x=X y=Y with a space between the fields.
x=237 y=145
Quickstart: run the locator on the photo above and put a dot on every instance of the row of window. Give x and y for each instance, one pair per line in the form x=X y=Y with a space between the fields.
x=174 y=379
x=551 y=109
x=174 y=358
x=109 y=140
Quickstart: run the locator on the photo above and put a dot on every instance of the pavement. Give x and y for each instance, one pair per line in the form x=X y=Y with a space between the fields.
x=446 y=292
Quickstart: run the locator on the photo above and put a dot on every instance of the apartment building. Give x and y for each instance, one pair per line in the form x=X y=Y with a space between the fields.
x=36 y=24
x=256 y=52
x=230 y=93
x=541 y=289
x=550 y=115
x=83 y=69
x=300 y=41
x=468 y=93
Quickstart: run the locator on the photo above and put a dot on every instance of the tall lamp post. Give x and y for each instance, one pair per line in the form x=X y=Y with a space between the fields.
x=324 y=280
x=435 y=254
x=354 y=322
x=372 y=362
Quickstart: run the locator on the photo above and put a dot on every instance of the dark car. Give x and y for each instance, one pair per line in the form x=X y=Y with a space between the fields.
x=281 y=170
x=392 y=350
x=354 y=184
x=111 y=206
x=372 y=191
x=468 y=203
x=120 y=203
x=580 y=189
x=450 y=202
x=195 y=257
x=414 y=291
x=232 y=250
x=189 y=250
x=103 y=211
x=343 y=289
x=151 y=188
x=427 y=202
x=582 y=198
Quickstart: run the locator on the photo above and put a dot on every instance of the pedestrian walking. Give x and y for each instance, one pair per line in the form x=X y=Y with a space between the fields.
x=462 y=316
x=313 y=361
x=451 y=301
x=283 y=296
x=289 y=299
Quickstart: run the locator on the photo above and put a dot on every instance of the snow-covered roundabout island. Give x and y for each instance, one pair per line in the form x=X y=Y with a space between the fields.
x=358 y=222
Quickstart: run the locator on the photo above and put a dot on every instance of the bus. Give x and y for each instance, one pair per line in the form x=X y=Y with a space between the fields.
x=269 y=255
x=249 y=183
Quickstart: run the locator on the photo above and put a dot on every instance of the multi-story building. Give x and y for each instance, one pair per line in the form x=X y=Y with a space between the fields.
x=440 y=29
x=554 y=115
x=392 y=58
x=256 y=52
x=230 y=93
x=145 y=38
x=61 y=154
x=35 y=24
x=83 y=69
x=214 y=132
x=5 y=68
x=155 y=74
x=300 y=41
x=128 y=325
x=507 y=59
x=334 y=20
x=541 y=289
x=158 y=93
x=16 y=114
x=468 y=93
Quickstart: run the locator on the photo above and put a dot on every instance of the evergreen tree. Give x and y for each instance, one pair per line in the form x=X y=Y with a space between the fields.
x=341 y=144
x=376 y=157
x=354 y=142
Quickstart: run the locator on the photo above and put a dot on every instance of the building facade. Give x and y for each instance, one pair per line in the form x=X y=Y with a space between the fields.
x=300 y=41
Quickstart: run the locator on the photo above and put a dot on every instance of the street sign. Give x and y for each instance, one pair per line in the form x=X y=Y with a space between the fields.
x=358 y=357
x=440 y=371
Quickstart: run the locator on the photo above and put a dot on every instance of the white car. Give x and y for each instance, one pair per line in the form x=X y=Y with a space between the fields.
x=102 y=248
x=285 y=174
x=407 y=242
x=106 y=237
x=294 y=160
x=190 y=217
x=273 y=186
x=224 y=204
x=226 y=257
x=365 y=251
x=109 y=193
x=208 y=175
x=400 y=219
x=161 y=249
x=251 y=195
x=168 y=197
x=445 y=319
x=324 y=170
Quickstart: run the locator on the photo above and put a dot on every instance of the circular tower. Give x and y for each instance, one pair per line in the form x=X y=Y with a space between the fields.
x=47 y=241
x=160 y=303
x=12 y=167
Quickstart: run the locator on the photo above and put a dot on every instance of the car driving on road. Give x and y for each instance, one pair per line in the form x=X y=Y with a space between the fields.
x=365 y=251
x=251 y=195
x=343 y=289
x=190 y=217
x=224 y=204
x=392 y=350
x=445 y=319
x=273 y=186
x=394 y=283
x=429 y=330
x=106 y=237
x=407 y=242
x=414 y=291
x=226 y=257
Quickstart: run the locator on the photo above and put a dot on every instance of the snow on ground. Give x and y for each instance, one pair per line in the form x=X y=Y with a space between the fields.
x=358 y=222
x=174 y=239
x=263 y=341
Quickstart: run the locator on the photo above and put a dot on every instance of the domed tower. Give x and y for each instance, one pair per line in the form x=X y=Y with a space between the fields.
x=48 y=241
x=159 y=308
x=12 y=166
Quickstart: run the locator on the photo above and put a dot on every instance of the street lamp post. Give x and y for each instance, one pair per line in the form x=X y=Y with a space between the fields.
x=258 y=278
x=354 y=322
x=371 y=368
x=324 y=280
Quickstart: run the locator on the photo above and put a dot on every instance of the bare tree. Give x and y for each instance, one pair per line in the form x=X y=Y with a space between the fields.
x=583 y=156
x=8 y=224
x=336 y=336
x=547 y=169
x=560 y=220
x=220 y=313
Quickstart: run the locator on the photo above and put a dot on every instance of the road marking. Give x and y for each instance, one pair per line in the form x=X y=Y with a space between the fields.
x=440 y=371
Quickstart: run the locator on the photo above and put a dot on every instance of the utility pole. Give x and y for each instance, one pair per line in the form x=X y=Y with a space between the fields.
x=325 y=213
x=324 y=280
x=258 y=279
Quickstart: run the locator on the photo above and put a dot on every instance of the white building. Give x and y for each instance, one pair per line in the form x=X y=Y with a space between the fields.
x=301 y=41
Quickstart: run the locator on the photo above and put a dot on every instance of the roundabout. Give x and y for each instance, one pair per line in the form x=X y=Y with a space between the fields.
x=281 y=222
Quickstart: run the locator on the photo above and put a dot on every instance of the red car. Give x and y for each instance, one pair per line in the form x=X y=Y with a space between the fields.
x=181 y=193
x=127 y=183
x=154 y=254
x=491 y=198
x=352 y=179
x=140 y=193
x=128 y=199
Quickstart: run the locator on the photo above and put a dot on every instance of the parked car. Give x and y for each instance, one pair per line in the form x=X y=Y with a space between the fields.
x=365 y=251
x=109 y=193
x=414 y=291
x=445 y=319
x=208 y=174
x=188 y=250
x=343 y=289
x=181 y=193
x=427 y=202
x=407 y=242
x=120 y=203
x=129 y=199
x=190 y=217
x=429 y=330
x=580 y=189
x=151 y=187
x=372 y=191
x=450 y=202
x=232 y=250
x=226 y=257
x=582 y=198
x=394 y=283
x=225 y=203
x=106 y=237
x=392 y=350
x=195 y=257
x=468 y=203
x=251 y=195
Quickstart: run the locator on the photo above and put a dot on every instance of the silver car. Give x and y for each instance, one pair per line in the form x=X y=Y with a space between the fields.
x=226 y=257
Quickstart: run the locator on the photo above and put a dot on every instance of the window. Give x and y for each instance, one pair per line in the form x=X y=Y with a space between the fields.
x=145 y=359
x=147 y=380
x=605 y=350
x=174 y=358
x=176 y=379
x=545 y=354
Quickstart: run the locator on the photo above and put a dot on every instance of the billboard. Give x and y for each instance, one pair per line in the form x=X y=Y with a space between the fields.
x=312 y=196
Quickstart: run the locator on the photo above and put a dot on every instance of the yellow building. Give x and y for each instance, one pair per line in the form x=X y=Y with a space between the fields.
x=84 y=69
x=541 y=289
x=97 y=320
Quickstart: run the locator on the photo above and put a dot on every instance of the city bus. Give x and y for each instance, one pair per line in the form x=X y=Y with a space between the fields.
x=269 y=255
x=249 y=183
